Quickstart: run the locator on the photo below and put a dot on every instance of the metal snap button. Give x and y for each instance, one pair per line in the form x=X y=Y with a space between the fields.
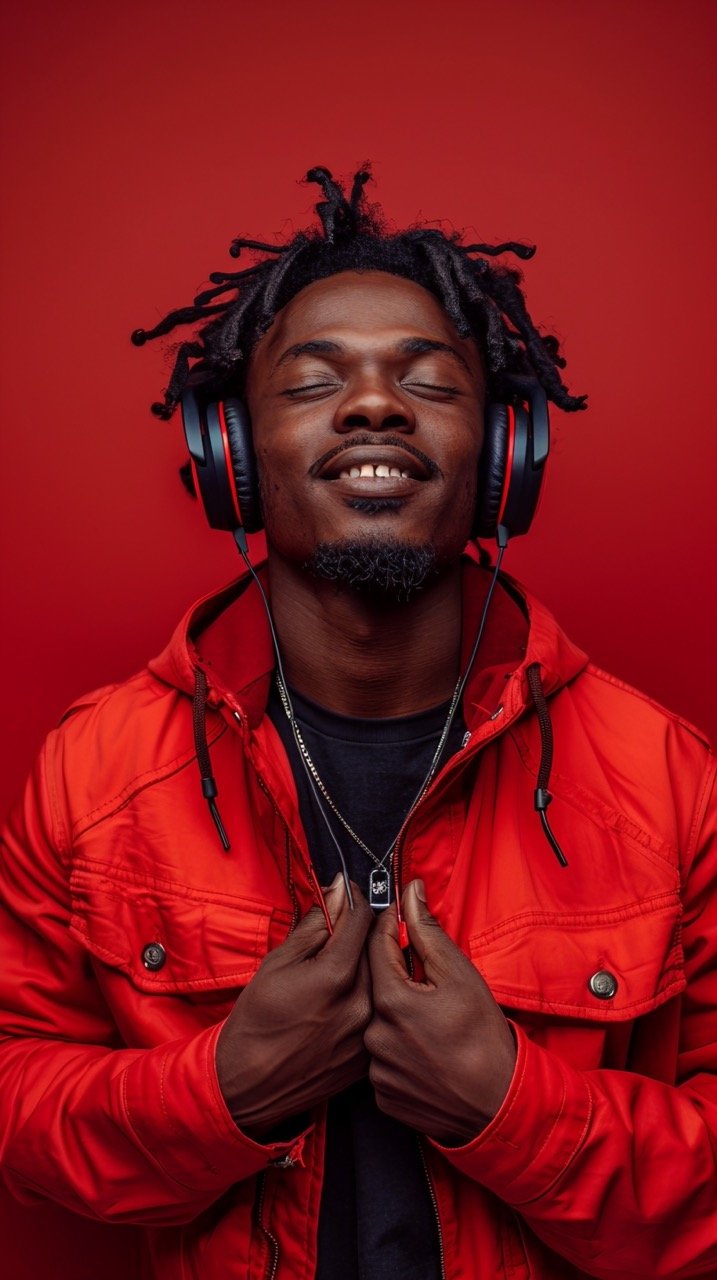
x=154 y=956
x=603 y=984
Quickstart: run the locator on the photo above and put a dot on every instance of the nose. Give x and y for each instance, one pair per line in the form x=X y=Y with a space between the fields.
x=374 y=404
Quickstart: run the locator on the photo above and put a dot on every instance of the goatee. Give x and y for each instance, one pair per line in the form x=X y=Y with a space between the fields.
x=375 y=566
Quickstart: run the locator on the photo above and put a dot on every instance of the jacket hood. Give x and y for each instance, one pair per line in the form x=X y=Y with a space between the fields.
x=226 y=634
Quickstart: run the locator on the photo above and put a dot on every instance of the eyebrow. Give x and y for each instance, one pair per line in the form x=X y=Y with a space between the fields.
x=320 y=347
x=409 y=347
x=422 y=346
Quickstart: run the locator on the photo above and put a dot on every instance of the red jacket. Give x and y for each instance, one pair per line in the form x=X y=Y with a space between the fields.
x=601 y=1160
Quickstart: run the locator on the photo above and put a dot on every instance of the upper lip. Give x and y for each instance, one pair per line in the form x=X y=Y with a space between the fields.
x=394 y=453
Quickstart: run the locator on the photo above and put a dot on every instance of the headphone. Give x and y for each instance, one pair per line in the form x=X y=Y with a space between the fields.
x=512 y=461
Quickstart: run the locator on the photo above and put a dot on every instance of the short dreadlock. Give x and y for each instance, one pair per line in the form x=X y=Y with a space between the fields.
x=483 y=300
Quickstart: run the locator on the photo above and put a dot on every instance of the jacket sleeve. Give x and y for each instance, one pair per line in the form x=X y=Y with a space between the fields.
x=616 y=1172
x=118 y=1134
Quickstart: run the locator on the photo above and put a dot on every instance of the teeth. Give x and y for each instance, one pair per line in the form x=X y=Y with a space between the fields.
x=369 y=470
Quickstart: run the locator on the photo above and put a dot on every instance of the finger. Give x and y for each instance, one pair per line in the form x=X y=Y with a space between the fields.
x=350 y=926
x=311 y=933
x=438 y=954
x=384 y=952
x=335 y=898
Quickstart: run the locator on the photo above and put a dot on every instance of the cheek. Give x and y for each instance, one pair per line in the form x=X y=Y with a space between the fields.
x=466 y=480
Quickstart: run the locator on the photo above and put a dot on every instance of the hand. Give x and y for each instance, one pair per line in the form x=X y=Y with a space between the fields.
x=442 y=1054
x=295 y=1035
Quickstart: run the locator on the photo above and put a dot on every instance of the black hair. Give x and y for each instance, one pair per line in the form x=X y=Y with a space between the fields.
x=484 y=300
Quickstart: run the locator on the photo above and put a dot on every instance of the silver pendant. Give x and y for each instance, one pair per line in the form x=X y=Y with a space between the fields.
x=379 y=889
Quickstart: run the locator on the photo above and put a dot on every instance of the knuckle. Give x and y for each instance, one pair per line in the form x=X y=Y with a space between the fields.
x=376 y=1076
x=386 y=1003
x=371 y=1038
x=341 y=976
x=360 y=1013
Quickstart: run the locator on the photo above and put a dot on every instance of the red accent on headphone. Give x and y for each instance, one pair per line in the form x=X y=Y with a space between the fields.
x=508 y=463
x=195 y=478
x=228 y=460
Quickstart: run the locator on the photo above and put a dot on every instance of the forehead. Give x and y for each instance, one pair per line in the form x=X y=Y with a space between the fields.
x=366 y=310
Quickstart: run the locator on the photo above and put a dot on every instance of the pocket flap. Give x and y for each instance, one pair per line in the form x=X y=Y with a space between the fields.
x=545 y=962
x=206 y=943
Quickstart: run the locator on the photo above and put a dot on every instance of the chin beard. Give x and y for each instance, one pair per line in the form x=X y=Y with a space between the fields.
x=375 y=567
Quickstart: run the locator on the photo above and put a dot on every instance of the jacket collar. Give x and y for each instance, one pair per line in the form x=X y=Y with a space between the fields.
x=226 y=634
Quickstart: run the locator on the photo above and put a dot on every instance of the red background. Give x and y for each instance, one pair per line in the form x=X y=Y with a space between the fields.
x=141 y=138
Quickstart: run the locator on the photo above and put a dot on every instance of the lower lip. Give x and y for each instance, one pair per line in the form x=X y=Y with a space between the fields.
x=378 y=486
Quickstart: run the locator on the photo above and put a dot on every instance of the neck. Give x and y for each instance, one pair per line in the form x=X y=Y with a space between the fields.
x=361 y=656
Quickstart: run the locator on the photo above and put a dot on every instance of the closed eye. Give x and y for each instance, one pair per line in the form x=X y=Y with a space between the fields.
x=309 y=386
x=434 y=386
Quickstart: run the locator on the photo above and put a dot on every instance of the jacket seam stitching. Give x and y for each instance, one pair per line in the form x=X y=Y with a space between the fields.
x=600 y=812
x=126 y=796
x=230 y=978
x=93 y=869
x=673 y=987
x=153 y=1158
x=698 y=812
x=578 y=1144
x=58 y=826
x=607 y=678
x=579 y=920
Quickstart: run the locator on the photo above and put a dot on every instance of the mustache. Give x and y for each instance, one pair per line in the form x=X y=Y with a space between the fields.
x=366 y=438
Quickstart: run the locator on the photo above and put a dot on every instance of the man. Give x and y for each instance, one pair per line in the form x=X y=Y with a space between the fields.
x=502 y=1066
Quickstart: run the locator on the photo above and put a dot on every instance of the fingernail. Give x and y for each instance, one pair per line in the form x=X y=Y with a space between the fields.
x=336 y=883
x=419 y=889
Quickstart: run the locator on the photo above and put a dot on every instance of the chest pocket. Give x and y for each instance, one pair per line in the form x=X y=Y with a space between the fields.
x=170 y=939
x=609 y=965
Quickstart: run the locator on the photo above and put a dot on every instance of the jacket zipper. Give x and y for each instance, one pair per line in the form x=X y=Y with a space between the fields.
x=453 y=765
x=434 y=1202
x=271 y=1240
x=288 y=843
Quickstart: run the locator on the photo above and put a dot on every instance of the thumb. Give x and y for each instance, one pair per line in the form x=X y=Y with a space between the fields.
x=311 y=934
x=433 y=947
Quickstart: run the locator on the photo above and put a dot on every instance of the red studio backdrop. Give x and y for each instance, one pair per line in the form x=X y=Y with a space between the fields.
x=140 y=138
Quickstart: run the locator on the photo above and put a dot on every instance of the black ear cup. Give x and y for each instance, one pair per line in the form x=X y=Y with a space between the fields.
x=512 y=462
x=246 y=480
x=218 y=435
x=492 y=470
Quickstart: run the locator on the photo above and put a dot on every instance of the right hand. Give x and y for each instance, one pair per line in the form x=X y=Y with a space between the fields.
x=295 y=1035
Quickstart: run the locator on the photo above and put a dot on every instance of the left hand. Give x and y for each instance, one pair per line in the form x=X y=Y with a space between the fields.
x=442 y=1054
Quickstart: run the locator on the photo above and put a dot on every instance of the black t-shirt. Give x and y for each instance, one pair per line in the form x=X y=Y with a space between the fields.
x=377 y=1220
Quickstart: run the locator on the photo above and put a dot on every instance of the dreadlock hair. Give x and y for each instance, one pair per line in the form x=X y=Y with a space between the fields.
x=483 y=300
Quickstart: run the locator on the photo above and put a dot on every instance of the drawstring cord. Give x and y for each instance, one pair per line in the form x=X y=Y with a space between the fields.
x=542 y=797
x=209 y=786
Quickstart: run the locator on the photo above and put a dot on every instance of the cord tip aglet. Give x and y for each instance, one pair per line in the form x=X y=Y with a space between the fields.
x=542 y=799
x=219 y=826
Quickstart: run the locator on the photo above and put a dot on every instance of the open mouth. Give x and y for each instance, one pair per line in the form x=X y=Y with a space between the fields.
x=372 y=463
x=373 y=471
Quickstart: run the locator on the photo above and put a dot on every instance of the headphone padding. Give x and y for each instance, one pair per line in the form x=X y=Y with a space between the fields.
x=491 y=470
x=236 y=418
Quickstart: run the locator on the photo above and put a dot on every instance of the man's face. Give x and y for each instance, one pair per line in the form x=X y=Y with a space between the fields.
x=367 y=418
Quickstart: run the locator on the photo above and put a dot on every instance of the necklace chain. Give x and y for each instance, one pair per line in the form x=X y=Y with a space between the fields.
x=379 y=862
